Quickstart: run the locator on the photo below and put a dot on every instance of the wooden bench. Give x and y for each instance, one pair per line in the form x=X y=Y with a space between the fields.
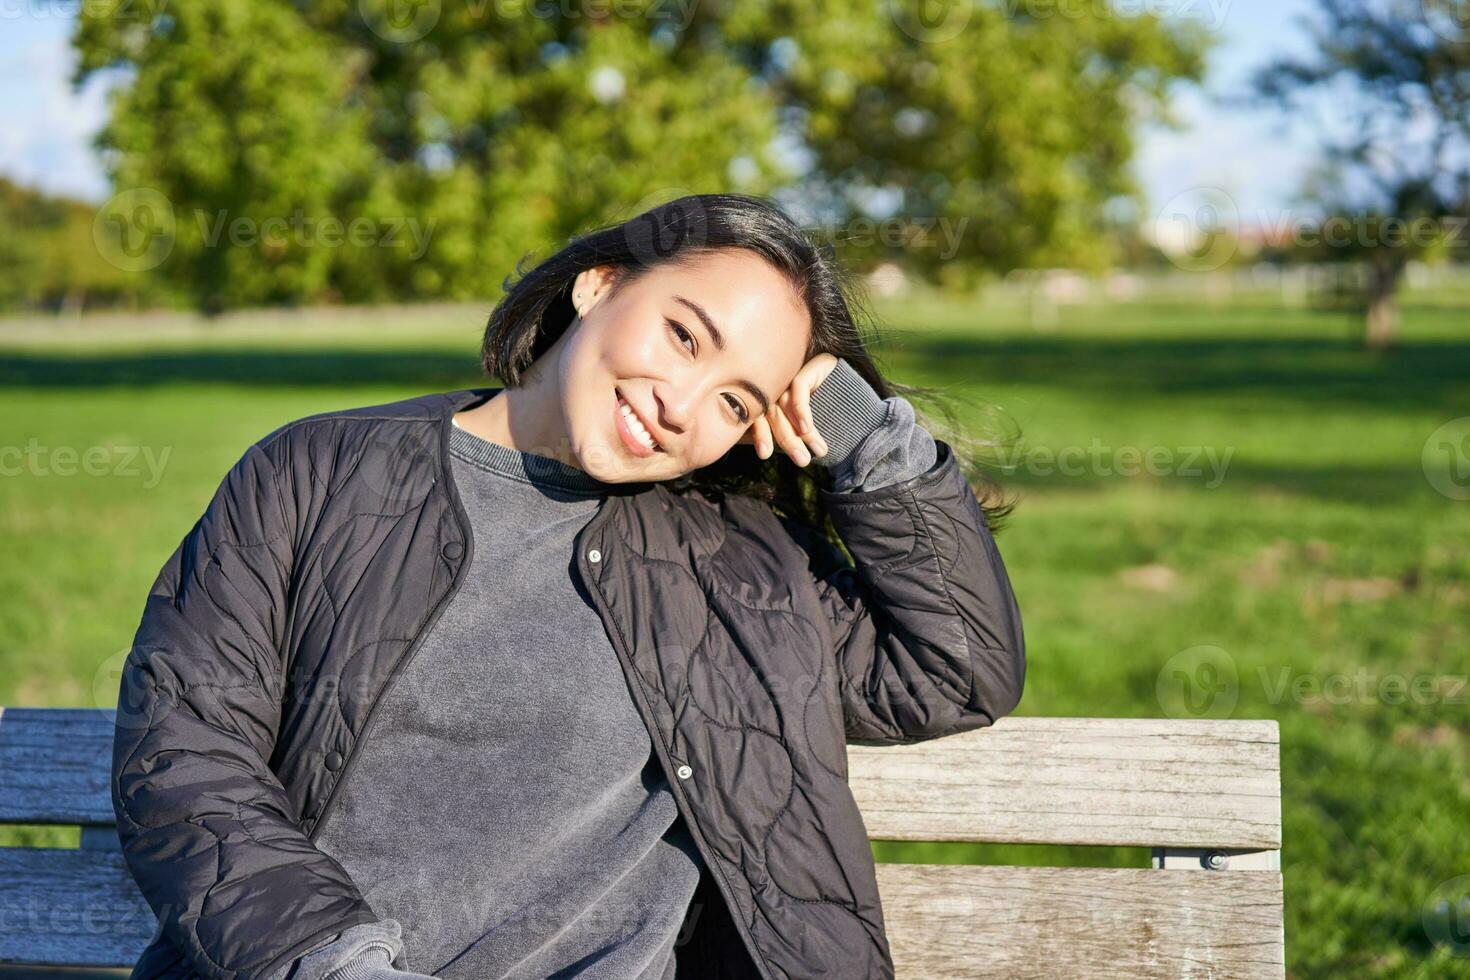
x=1205 y=795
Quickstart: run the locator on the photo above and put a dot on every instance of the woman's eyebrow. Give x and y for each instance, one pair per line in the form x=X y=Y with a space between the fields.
x=719 y=339
x=714 y=331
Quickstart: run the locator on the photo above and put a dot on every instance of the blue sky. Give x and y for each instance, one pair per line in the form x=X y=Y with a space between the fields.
x=45 y=139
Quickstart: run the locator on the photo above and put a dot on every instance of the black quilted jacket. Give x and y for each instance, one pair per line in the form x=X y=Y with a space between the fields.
x=753 y=649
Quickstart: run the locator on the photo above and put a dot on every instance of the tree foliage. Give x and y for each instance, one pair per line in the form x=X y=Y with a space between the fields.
x=48 y=259
x=457 y=138
x=1395 y=174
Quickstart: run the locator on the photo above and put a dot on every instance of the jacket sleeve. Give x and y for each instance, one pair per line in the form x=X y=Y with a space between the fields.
x=926 y=630
x=205 y=825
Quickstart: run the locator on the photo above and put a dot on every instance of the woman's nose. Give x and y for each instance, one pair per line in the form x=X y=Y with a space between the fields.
x=675 y=407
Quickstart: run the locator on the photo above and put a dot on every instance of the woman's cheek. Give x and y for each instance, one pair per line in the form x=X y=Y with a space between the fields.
x=708 y=454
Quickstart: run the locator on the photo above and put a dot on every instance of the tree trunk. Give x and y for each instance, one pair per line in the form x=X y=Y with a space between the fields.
x=1384 y=274
x=74 y=303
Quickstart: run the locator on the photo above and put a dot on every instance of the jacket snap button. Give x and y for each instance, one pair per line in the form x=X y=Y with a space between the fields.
x=334 y=760
x=684 y=772
x=453 y=550
x=594 y=555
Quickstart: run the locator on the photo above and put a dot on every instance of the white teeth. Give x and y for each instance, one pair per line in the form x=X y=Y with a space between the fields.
x=635 y=426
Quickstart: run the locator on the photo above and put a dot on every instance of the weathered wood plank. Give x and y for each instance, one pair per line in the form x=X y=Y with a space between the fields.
x=78 y=908
x=1029 y=780
x=955 y=921
x=1104 y=781
x=56 y=766
x=1165 y=784
x=62 y=907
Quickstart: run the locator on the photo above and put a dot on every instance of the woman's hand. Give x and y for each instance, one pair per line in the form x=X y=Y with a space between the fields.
x=788 y=422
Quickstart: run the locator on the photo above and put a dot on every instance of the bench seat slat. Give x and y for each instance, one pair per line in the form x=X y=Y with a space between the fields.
x=63 y=907
x=957 y=921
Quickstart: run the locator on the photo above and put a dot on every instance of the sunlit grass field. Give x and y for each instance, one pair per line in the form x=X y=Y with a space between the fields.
x=1240 y=476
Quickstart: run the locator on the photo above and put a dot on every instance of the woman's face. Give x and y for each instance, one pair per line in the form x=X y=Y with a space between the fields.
x=690 y=352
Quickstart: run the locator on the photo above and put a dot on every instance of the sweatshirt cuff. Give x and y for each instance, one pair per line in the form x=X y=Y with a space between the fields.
x=845 y=411
x=353 y=953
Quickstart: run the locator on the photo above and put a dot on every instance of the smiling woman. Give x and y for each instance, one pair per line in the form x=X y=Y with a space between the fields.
x=659 y=373
x=710 y=320
x=555 y=678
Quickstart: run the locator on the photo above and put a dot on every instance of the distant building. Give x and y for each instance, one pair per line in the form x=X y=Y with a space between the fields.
x=888 y=279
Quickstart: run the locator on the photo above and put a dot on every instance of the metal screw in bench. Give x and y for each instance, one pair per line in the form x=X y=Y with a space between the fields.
x=1215 y=861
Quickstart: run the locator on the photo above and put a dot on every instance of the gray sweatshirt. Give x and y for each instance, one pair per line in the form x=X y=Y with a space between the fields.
x=508 y=817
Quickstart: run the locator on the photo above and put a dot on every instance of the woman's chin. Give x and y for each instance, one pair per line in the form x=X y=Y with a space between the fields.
x=613 y=464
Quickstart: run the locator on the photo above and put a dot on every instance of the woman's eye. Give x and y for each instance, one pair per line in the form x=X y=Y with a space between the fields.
x=740 y=411
x=682 y=334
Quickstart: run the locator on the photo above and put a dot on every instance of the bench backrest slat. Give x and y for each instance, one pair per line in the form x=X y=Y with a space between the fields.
x=1142 y=782
x=56 y=765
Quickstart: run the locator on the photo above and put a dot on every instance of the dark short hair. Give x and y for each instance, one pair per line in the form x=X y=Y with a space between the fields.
x=537 y=309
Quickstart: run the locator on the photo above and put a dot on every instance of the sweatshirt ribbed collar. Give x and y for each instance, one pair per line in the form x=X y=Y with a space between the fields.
x=520 y=465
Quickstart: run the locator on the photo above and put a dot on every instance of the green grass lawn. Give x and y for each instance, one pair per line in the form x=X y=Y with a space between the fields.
x=1286 y=518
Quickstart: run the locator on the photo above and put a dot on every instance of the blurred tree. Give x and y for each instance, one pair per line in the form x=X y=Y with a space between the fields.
x=48 y=260
x=997 y=134
x=238 y=124
x=18 y=262
x=457 y=138
x=1394 y=184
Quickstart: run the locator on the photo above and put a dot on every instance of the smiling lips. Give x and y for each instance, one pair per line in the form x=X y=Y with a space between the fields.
x=635 y=436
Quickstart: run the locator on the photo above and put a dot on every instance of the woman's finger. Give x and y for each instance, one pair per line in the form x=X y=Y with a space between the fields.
x=761 y=436
x=785 y=434
x=797 y=400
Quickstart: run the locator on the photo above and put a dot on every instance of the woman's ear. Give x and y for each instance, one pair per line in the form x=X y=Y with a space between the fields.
x=590 y=286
